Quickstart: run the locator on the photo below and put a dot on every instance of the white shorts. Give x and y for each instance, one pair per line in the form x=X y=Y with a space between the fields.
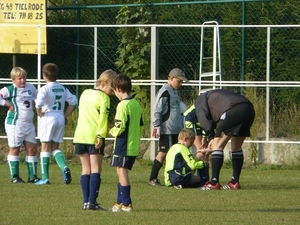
x=17 y=134
x=52 y=127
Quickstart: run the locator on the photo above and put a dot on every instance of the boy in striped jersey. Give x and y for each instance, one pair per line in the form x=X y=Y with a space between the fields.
x=19 y=99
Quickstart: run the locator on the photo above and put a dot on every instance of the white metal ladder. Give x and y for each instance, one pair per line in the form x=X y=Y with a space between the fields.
x=216 y=58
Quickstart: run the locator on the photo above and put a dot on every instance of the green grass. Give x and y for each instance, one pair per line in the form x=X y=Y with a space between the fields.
x=266 y=197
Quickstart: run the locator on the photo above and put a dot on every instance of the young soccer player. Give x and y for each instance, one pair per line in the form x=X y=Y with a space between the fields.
x=166 y=120
x=127 y=132
x=50 y=107
x=224 y=115
x=90 y=133
x=19 y=99
x=180 y=163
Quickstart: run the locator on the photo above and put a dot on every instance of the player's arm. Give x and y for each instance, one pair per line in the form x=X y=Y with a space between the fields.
x=190 y=160
x=102 y=119
x=160 y=103
x=120 y=121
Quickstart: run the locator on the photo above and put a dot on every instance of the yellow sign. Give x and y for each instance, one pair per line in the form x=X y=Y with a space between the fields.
x=19 y=26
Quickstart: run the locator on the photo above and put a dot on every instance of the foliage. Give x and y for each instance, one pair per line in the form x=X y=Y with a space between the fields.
x=134 y=52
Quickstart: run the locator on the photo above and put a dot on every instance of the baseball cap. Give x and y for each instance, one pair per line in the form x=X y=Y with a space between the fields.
x=176 y=72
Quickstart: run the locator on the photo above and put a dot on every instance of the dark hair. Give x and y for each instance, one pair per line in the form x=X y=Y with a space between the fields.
x=50 y=70
x=122 y=82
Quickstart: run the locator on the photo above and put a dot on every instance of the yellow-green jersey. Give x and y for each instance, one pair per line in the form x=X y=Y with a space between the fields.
x=94 y=106
x=128 y=127
x=191 y=122
x=180 y=159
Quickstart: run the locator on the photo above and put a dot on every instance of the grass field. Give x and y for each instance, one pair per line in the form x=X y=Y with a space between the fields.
x=266 y=197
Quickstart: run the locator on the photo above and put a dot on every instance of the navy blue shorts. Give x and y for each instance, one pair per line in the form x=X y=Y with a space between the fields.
x=123 y=161
x=185 y=181
x=166 y=141
x=81 y=149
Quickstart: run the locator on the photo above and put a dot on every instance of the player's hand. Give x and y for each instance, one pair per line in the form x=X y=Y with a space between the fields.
x=205 y=152
x=99 y=143
x=11 y=108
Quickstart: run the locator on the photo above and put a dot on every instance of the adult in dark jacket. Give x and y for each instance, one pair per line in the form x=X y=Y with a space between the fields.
x=224 y=115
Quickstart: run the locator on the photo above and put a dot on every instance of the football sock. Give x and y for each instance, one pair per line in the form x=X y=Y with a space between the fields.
x=85 y=187
x=94 y=187
x=203 y=174
x=126 y=195
x=155 y=169
x=13 y=163
x=99 y=186
x=217 y=159
x=59 y=159
x=45 y=161
x=31 y=162
x=119 y=195
x=237 y=165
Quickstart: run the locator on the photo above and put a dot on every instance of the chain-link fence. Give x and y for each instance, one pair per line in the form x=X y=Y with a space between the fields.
x=244 y=52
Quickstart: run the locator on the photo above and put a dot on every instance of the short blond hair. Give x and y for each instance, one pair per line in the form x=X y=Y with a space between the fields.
x=107 y=76
x=186 y=133
x=16 y=72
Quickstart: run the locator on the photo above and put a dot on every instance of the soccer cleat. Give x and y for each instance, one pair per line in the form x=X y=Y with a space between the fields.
x=155 y=183
x=232 y=186
x=208 y=186
x=116 y=207
x=42 y=182
x=17 y=180
x=95 y=206
x=84 y=206
x=178 y=186
x=33 y=180
x=127 y=208
x=67 y=176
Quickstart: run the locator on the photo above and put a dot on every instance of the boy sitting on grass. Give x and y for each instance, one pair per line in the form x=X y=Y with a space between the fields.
x=180 y=164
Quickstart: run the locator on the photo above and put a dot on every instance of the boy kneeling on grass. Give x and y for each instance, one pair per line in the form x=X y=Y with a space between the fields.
x=181 y=164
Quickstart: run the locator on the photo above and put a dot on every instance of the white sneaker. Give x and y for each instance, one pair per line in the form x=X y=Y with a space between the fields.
x=116 y=207
x=126 y=208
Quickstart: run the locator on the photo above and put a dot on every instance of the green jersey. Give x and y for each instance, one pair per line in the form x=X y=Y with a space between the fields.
x=180 y=159
x=128 y=128
x=92 y=121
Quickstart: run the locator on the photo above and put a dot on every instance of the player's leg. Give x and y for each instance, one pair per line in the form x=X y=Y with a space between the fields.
x=85 y=177
x=13 y=160
x=45 y=127
x=95 y=181
x=45 y=162
x=31 y=162
x=165 y=142
x=157 y=164
x=31 y=153
x=243 y=117
x=217 y=158
x=57 y=135
x=123 y=164
x=125 y=188
x=14 y=142
x=237 y=158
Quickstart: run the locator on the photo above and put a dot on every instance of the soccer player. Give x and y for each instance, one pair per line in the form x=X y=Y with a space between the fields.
x=181 y=164
x=50 y=107
x=127 y=131
x=167 y=120
x=19 y=99
x=224 y=115
x=90 y=134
